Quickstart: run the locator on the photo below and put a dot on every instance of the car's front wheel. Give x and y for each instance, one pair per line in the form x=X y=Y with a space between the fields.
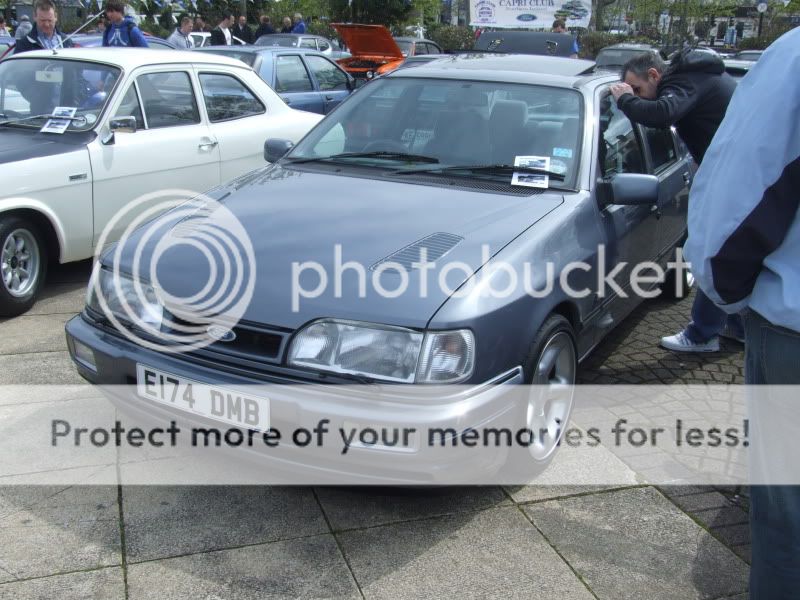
x=23 y=265
x=550 y=372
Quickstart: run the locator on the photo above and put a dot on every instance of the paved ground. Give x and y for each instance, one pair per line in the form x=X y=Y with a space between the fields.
x=258 y=542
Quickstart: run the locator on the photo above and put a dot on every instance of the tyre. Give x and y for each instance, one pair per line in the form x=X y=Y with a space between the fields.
x=23 y=265
x=550 y=372
x=676 y=287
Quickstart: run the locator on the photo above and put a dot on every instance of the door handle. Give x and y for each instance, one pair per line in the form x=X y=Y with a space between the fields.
x=329 y=98
x=687 y=179
x=207 y=145
x=286 y=100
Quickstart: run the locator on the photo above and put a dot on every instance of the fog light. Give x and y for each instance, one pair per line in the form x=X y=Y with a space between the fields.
x=84 y=355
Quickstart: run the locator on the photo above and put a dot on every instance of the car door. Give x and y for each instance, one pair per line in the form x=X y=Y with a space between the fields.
x=674 y=174
x=235 y=118
x=332 y=82
x=630 y=232
x=293 y=84
x=172 y=147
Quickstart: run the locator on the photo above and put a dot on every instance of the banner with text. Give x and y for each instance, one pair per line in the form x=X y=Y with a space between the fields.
x=531 y=14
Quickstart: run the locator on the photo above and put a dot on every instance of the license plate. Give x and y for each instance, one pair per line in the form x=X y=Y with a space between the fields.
x=213 y=402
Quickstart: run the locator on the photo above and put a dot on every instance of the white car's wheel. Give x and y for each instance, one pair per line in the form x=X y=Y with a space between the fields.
x=23 y=265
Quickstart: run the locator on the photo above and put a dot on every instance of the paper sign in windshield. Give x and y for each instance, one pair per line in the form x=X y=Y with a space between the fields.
x=531 y=179
x=55 y=125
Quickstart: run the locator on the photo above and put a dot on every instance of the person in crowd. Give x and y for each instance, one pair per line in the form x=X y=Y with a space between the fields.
x=560 y=26
x=44 y=34
x=264 y=28
x=121 y=30
x=24 y=27
x=221 y=34
x=101 y=25
x=242 y=31
x=287 y=25
x=3 y=28
x=180 y=37
x=747 y=187
x=692 y=93
x=299 y=24
x=200 y=24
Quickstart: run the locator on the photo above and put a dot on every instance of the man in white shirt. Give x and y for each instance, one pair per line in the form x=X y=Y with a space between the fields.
x=221 y=34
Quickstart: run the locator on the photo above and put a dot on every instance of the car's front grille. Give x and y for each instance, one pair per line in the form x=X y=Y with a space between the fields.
x=253 y=346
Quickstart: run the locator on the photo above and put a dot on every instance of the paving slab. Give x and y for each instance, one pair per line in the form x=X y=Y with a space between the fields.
x=61 y=298
x=29 y=334
x=39 y=368
x=494 y=553
x=46 y=530
x=161 y=522
x=636 y=544
x=310 y=567
x=350 y=508
x=102 y=584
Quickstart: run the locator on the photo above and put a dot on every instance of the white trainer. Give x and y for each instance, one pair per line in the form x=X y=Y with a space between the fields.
x=680 y=343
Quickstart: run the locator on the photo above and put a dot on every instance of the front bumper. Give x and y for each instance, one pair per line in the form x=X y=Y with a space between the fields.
x=492 y=404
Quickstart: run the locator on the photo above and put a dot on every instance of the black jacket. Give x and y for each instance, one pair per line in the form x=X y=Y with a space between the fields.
x=263 y=29
x=218 y=37
x=31 y=42
x=693 y=95
x=245 y=34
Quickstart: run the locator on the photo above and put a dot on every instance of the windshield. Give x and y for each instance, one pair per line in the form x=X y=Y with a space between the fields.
x=751 y=56
x=277 y=40
x=616 y=58
x=405 y=46
x=452 y=123
x=35 y=86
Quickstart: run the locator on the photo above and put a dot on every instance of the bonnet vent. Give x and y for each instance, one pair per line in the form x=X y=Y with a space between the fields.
x=435 y=245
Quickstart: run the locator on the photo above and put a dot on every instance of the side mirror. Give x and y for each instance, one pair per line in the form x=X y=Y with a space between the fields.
x=123 y=124
x=351 y=83
x=275 y=149
x=629 y=189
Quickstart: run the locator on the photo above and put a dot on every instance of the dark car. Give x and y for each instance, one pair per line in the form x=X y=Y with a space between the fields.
x=612 y=58
x=526 y=42
x=411 y=46
x=416 y=164
x=306 y=80
x=93 y=40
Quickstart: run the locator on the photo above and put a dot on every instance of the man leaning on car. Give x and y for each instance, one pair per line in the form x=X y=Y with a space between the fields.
x=692 y=93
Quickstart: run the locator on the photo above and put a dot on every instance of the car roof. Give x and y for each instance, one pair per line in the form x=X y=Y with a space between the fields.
x=130 y=58
x=408 y=38
x=511 y=68
x=629 y=47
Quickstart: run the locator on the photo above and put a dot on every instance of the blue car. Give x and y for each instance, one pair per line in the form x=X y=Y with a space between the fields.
x=306 y=80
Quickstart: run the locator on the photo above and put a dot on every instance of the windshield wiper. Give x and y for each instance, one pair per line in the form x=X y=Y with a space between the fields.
x=33 y=117
x=381 y=154
x=490 y=169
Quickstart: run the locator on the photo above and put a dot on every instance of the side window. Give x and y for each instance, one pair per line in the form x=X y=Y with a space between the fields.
x=227 y=98
x=308 y=43
x=662 y=147
x=291 y=75
x=168 y=99
x=323 y=45
x=329 y=76
x=620 y=151
x=433 y=49
x=130 y=107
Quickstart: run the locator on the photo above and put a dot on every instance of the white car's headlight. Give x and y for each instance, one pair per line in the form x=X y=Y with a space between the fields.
x=383 y=352
x=122 y=298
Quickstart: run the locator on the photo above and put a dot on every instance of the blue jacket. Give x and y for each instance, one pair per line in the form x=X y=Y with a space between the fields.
x=744 y=226
x=299 y=28
x=125 y=34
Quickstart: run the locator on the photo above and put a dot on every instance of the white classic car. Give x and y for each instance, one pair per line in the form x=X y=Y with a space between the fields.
x=134 y=123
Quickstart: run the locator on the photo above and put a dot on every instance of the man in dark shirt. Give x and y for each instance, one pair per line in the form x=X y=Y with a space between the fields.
x=242 y=31
x=264 y=28
x=692 y=93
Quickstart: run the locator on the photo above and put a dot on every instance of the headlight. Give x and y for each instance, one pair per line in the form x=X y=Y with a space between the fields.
x=122 y=298
x=384 y=352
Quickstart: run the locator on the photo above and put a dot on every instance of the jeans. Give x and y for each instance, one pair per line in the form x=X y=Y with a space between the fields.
x=772 y=356
x=708 y=320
